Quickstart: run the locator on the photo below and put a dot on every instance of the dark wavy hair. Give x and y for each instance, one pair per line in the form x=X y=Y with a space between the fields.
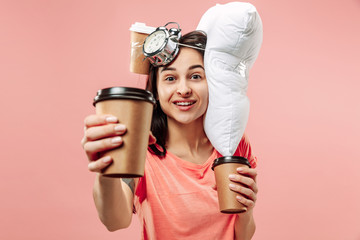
x=159 y=126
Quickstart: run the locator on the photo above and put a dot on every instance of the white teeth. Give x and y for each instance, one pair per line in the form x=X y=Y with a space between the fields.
x=184 y=103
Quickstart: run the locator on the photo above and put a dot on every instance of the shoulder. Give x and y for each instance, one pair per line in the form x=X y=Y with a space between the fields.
x=244 y=149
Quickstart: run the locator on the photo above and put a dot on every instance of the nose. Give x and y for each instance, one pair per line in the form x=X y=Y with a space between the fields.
x=183 y=89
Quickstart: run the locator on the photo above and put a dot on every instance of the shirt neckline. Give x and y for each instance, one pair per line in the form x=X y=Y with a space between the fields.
x=191 y=165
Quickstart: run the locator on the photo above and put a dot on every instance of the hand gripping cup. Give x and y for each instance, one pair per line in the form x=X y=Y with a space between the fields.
x=223 y=167
x=138 y=63
x=133 y=107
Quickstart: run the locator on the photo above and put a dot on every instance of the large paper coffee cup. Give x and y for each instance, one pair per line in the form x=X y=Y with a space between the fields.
x=138 y=33
x=133 y=107
x=223 y=167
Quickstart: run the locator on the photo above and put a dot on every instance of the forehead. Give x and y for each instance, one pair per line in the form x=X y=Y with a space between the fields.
x=186 y=57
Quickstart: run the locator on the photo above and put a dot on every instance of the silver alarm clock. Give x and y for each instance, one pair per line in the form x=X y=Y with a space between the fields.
x=162 y=45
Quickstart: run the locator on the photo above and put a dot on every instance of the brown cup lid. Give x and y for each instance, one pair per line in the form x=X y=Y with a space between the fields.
x=230 y=159
x=124 y=93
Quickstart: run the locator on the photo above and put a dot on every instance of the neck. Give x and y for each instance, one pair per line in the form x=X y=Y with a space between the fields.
x=187 y=139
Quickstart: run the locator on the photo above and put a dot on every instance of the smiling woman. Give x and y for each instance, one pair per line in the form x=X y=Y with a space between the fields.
x=176 y=198
x=192 y=74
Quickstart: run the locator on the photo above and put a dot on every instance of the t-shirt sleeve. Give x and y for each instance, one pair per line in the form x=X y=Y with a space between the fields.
x=244 y=150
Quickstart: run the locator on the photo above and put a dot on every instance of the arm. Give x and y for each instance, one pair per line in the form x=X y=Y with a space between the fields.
x=244 y=225
x=114 y=202
x=113 y=197
x=245 y=185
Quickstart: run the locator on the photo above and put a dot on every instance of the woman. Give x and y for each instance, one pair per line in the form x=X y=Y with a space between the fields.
x=176 y=198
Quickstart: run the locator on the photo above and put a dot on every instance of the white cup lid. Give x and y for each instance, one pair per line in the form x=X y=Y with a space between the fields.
x=141 y=28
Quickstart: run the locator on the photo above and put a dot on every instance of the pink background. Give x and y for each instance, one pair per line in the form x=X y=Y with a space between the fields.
x=304 y=123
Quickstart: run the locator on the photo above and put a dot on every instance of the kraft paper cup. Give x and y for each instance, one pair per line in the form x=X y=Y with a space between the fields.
x=133 y=107
x=138 y=34
x=223 y=167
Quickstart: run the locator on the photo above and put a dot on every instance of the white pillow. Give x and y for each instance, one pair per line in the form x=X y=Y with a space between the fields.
x=234 y=32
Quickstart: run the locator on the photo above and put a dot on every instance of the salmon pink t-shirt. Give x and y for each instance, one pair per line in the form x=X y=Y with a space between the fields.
x=175 y=198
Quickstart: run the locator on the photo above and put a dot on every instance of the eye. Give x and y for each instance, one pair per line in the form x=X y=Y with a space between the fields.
x=170 y=78
x=196 y=76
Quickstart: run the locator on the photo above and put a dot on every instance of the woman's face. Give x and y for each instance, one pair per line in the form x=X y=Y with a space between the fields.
x=182 y=87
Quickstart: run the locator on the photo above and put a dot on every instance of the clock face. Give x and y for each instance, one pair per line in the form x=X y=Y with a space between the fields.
x=155 y=41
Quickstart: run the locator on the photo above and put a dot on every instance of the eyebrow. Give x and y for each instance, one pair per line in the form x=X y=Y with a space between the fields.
x=196 y=66
x=167 y=69
x=190 y=68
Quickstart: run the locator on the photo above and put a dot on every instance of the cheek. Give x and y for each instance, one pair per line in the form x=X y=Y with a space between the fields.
x=164 y=93
x=206 y=99
x=205 y=93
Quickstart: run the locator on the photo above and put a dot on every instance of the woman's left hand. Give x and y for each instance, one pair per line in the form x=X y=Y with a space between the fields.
x=244 y=183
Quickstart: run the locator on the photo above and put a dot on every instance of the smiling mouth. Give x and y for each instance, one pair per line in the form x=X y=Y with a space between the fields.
x=184 y=103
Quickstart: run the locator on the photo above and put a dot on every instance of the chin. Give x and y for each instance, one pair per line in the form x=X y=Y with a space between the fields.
x=188 y=120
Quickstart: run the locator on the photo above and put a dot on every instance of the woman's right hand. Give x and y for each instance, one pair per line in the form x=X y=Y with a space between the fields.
x=101 y=133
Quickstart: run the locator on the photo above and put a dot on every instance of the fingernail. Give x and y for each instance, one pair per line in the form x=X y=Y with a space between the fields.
x=116 y=140
x=111 y=119
x=239 y=169
x=119 y=128
x=238 y=198
x=232 y=176
x=107 y=159
x=232 y=185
